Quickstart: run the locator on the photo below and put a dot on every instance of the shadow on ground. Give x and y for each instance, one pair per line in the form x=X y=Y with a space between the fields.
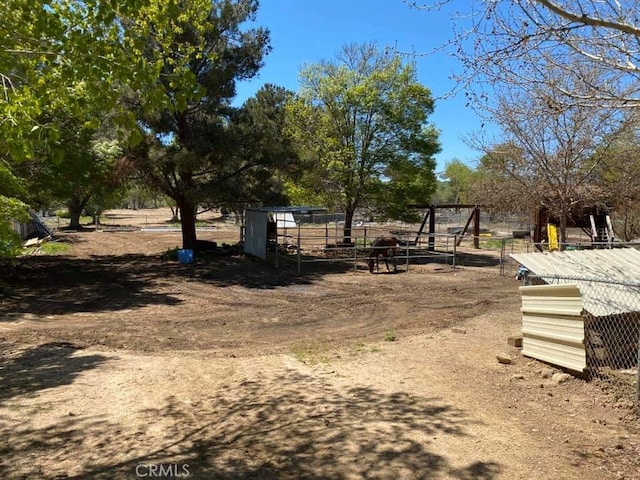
x=476 y=260
x=61 y=285
x=292 y=426
x=27 y=372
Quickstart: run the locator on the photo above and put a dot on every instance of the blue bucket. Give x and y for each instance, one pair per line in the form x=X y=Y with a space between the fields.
x=185 y=256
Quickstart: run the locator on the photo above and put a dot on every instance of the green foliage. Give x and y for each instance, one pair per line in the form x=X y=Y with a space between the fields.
x=138 y=195
x=49 y=248
x=410 y=182
x=11 y=210
x=10 y=184
x=57 y=54
x=194 y=150
x=361 y=126
x=390 y=336
x=262 y=152
x=80 y=172
x=443 y=193
x=461 y=180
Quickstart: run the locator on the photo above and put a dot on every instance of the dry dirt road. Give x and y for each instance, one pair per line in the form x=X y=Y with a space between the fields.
x=116 y=363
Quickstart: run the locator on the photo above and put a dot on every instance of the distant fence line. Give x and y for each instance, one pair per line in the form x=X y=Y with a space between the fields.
x=503 y=246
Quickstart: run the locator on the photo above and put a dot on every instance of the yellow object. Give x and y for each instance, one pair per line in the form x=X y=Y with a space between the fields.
x=552 y=233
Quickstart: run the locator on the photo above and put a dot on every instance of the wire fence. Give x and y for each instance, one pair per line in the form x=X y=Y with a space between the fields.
x=501 y=247
x=611 y=317
x=306 y=244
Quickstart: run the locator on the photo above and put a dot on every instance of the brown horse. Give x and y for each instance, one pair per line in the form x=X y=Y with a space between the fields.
x=385 y=246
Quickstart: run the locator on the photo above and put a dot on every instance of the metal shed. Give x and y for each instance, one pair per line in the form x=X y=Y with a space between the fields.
x=262 y=224
x=590 y=311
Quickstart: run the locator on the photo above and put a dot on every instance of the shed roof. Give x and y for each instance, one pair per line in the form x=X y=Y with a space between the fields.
x=288 y=209
x=609 y=280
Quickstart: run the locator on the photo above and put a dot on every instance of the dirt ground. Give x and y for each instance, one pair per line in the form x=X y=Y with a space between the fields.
x=117 y=362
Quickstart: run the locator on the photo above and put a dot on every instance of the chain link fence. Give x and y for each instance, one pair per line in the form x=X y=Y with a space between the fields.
x=611 y=315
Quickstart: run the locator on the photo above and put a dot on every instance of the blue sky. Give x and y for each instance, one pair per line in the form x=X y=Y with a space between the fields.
x=307 y=31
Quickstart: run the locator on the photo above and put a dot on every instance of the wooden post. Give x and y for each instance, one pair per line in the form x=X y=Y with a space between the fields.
x=464 y=230
x=476 y=227
x=432 y=228
x=421 y=229
x=541 y=220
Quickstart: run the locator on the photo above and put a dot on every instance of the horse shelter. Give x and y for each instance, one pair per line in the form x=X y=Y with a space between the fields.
x=311 y=235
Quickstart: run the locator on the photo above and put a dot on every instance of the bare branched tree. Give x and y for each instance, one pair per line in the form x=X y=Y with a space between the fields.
x=515 y=41
x=620 y=175
x=551 y=154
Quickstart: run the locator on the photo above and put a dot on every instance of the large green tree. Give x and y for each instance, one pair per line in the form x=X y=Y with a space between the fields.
x=80 y=172
x=361 y=124
x=51 y=53
x=63 y=55
x=461 y=178
x=200 y=49
x=262 y=148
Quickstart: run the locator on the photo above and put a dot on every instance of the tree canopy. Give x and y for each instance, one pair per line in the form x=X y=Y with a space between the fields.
x=193 y=149
x=361 y=124
x=460 y=179
x=56 y=54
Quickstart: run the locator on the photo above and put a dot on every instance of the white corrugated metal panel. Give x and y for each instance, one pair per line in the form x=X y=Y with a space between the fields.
x=600 y=299
x=255 y=233
x=552 y=325
x=561 y=299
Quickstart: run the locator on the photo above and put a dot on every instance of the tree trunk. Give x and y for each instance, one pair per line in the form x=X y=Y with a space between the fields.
x=563 y=231
x=348 y=222
x=175 y=218
x=75 y=211
x=188 y=224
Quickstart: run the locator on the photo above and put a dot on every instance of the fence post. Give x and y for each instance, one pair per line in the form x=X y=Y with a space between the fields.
x=355 y=255
x=299 y=259
x=406 y=248
x=455 y=244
